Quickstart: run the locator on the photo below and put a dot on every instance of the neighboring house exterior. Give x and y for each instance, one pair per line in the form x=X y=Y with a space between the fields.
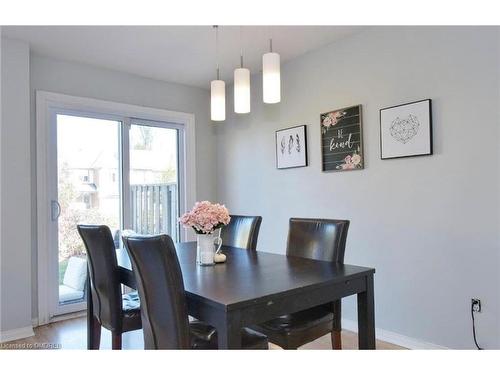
x=96 y=182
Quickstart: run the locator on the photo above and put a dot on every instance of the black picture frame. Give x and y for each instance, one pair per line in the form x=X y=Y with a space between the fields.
x=304 y=162
x=429 y=139
x=348 y=154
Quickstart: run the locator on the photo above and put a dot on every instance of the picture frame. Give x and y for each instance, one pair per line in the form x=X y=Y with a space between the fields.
x=406 y=130
x=291 y=147
x=342 y=139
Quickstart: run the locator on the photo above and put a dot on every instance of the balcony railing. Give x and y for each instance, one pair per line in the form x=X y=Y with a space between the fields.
x=154 y=209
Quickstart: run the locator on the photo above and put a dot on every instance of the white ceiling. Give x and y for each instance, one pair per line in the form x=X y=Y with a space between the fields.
x=182 y=54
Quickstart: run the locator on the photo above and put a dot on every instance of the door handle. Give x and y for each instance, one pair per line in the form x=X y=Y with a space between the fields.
x=55 y=210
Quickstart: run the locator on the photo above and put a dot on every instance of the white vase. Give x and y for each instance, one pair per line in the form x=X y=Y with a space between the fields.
x=205 y=249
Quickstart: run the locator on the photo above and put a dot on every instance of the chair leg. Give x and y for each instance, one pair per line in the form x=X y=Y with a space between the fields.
x=116 y=341
x=96 y=334
x=336 y=340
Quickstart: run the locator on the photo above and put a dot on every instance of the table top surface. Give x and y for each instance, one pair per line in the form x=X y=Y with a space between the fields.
x=249 y=276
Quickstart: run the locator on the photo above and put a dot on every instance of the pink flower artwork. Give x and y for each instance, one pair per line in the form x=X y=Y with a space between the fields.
x=351 y=162
x=331 y=119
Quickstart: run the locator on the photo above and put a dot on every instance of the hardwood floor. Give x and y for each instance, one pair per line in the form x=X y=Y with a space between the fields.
x=71 y=334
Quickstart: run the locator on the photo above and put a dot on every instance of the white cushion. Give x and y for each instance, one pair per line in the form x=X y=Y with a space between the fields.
x=67 y=294
x=76 y=273
x=128 y=233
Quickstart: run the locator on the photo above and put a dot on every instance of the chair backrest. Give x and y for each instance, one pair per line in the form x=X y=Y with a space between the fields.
x=164 y=313
x=242 y=231
x=103 y=271
x=320 y=239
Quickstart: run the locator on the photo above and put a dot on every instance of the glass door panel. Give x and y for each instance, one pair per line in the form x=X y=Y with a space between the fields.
x=107 y=170
x=88 y=192
x=153 y=172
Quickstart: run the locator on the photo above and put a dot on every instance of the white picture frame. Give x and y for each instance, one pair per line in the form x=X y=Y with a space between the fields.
x=406 y=130
x=291 y=147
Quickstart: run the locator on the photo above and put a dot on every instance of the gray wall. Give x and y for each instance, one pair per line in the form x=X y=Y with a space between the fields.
x=83 y=80
x=15 y=231
x=429 y=225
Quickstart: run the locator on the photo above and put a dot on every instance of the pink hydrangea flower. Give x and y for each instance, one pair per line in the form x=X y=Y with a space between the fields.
x=205 y=217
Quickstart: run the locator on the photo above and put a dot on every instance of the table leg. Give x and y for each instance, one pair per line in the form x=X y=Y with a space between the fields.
x=366 y=316
x=229 y=332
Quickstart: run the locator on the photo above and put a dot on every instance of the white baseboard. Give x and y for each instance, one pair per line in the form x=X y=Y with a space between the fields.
x=59 y=318
x=394 y=338
x=16 y=334
x=76 y=314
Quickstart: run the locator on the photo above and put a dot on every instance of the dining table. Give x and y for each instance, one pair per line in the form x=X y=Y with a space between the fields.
x=252 y=287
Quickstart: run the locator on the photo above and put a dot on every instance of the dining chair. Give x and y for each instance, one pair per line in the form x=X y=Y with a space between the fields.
x=113 y=310
x=319 y=239
x=242 y=231
x=164 y=308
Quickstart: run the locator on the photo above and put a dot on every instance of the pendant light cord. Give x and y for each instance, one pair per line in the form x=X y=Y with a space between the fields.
x=241 y=48
x=269 y=30
x=216 y=27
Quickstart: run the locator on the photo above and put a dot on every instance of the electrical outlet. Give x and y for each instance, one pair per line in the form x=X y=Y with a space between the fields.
x=476 y=304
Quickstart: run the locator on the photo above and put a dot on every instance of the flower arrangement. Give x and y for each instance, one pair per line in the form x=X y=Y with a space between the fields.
x=206 y=217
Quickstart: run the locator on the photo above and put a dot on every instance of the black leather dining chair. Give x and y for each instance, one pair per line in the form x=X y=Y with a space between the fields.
x=164 y=308
x=319 y=239
x=242 y=231
x=113 y=310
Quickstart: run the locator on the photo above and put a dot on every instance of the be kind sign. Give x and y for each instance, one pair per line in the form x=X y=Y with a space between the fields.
x=342 y=139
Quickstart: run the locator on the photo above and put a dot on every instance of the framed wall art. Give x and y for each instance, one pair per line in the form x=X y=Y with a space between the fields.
x=342 y=139
x=291 y=147
x=406 y=130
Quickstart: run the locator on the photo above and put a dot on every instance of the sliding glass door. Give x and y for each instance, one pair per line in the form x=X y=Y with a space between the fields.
x=153 y=175
x=116 y=171
x=88 y=191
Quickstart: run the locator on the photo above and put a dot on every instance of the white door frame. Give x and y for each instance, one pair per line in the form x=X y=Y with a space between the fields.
x=47 y=103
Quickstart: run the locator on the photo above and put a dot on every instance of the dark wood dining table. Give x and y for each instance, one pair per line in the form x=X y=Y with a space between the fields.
x=253 y=286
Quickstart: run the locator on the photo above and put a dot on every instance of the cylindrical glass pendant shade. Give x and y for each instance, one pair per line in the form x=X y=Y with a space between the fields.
x=241 y=90
x=271 y=80
x=218 y=100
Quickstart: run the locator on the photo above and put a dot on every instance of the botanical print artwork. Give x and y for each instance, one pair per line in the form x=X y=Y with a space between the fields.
x=290 y=144
x=406 y=130
x=341 y=139
x=291 y=147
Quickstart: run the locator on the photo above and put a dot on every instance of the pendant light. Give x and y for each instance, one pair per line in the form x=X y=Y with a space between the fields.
x=271 y=80
x=217 y=89
x=241 y=86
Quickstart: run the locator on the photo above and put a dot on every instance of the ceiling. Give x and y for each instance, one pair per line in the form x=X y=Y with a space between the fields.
x=182 y=54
